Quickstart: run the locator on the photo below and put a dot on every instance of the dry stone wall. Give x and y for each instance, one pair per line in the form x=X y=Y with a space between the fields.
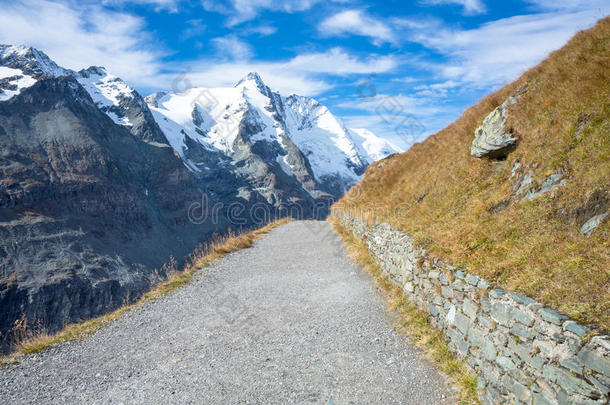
x=523 y=352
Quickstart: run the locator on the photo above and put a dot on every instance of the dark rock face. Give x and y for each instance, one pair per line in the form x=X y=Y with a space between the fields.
x=87 y=209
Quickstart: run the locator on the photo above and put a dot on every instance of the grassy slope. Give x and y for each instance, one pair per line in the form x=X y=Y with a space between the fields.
x=445 y=195
x=201 y=257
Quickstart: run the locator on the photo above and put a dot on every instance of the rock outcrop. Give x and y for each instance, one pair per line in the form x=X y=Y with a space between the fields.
x=491 y=139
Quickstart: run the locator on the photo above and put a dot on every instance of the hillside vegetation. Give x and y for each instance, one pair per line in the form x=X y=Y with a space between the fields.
x=467 y=210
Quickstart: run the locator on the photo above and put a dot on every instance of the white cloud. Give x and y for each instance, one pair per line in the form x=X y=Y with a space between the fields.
x=239 y=11
x=498 y=51
x=437 y=90
x=194 y=28
x=304 y=74
x=572 y=5
x=158 y=5
x=393 y=106
x=337 y=61
x=470 y=6
x=357 y=22
x=262 y=30
x=79 y=37
x=233 y=47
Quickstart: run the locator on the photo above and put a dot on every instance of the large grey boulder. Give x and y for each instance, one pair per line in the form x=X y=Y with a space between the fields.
x=491 y=139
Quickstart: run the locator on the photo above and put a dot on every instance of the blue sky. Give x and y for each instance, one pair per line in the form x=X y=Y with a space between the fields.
x=403 y=69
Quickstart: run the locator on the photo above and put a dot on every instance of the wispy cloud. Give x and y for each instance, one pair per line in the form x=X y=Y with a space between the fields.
x=158 y=5
x=233 y=47
x=470 y=6
x=194 y=28
x=80 y=36
x=239 y=11
x=262 y=30
x=495 y=53
x=571 y=5
x=305 y=74
x=357 y=22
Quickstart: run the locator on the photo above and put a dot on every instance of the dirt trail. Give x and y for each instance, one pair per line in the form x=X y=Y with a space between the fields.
x=290 y=320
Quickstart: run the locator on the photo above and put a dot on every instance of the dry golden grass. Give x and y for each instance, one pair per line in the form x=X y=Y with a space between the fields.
x=201 y=257
x=412 y=321
x=442 y=196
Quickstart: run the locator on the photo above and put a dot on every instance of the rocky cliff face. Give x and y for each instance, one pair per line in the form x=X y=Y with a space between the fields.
x=87 y=210
x=98 y=190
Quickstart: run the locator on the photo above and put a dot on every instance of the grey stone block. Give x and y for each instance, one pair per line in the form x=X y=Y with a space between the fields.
x=576 y=328
x=485 y=321
x=446 y=292
x=519 y=390
x=481 y=382
x=462 y=322
x=485 y=304
x=528 y=355
x=506 y=363
x=522 y=317
x=471 y=279
x=501 y=313
x=522 y=332
x=602 y=341
x=492 y=396
x=521 y=299
x=596 y=380
x=458 y=285
x=480 y=338
x=552 y=316
x=496 y=293
x=568 y=382
x=572 y=364
x=594 y=361
x=491 y=373
x=541 y=399
x=458 y=340
x=470 y=308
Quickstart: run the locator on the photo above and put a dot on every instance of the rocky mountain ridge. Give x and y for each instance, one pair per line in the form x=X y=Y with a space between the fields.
x=304 y=138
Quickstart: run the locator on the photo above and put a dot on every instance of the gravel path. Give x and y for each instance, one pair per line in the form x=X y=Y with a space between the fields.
x=290 y=320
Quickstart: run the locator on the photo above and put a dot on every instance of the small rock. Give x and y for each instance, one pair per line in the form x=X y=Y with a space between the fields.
x=588 y=227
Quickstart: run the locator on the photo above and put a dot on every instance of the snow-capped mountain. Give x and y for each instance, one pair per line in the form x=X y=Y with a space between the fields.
x=121 y=102
x=29 y=61
x=21 y=67
x=306 y=138
x=209 y=128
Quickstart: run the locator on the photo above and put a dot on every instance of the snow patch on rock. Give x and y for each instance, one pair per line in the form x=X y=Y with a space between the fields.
x=12 y=82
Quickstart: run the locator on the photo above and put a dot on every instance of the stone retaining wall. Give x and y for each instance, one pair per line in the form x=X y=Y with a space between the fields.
x=523 y=352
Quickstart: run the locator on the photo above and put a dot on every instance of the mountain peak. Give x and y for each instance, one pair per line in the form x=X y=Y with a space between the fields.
x=255 y=79
x=30 y=61
x=93 y=70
